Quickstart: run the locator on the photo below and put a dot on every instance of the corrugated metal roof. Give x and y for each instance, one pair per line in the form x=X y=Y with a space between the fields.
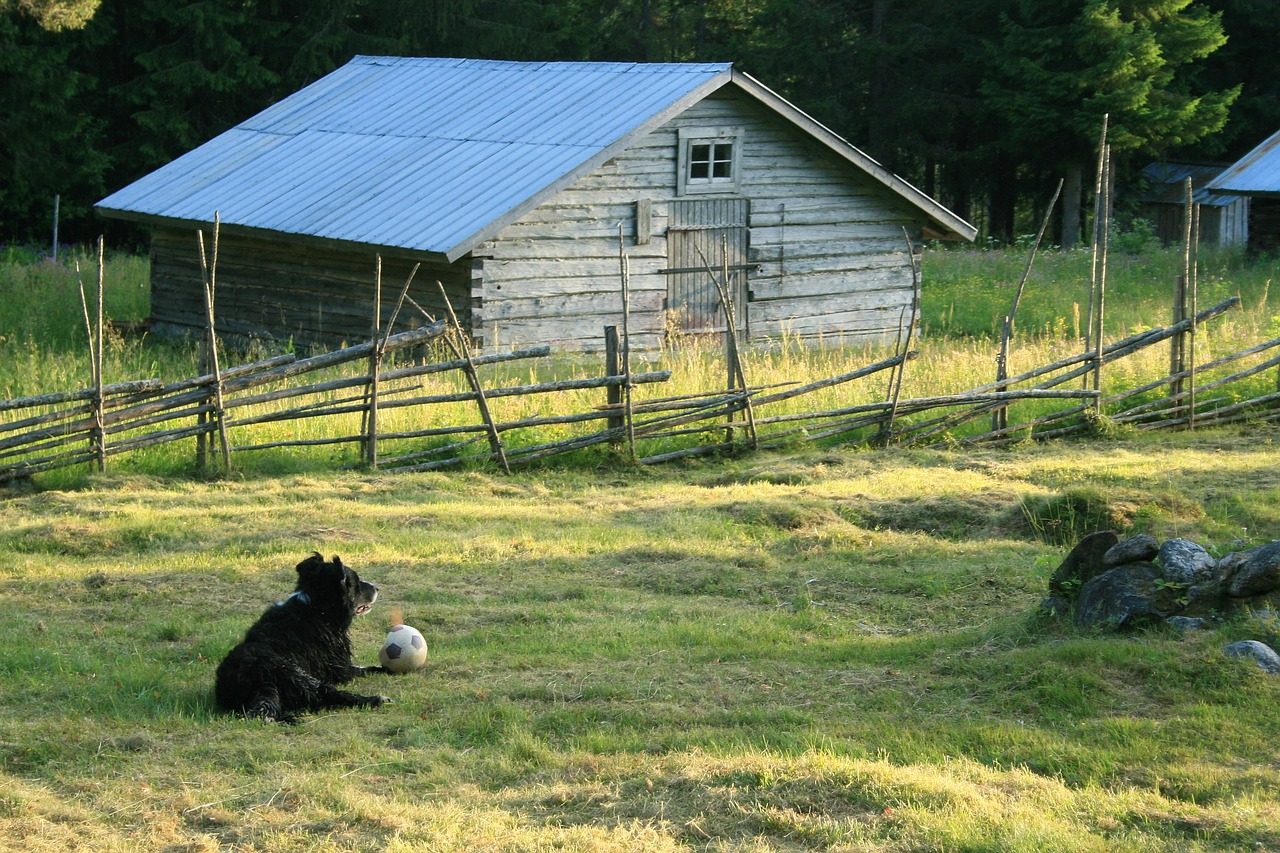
x=1258 y=172
x=436 y=155
x=1167 y=184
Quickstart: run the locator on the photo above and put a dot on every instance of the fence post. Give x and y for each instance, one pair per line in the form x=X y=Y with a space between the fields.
x=624 y=269
x=1193 y=284
x=462 y=350
x=209 y=283
x=1177 y=344
x=613 y=393
x=99 y=427
x=375 y=368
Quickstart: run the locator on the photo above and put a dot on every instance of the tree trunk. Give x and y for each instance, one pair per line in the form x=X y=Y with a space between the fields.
x=1002 y=201
x=878 y=134
x=1072 y=187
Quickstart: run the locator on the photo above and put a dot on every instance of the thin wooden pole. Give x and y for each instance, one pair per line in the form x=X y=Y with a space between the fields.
x=1101 y=255
x=99 y=427
x=1001 y=418
x=1097 y=235
x=209 y=273
x=628 y=414
x=88 y=328
x=1194 y=296
x=737 y=377
x=730 y=322
x=1177 y=347
x=375 y=367
x=895 y=377
x=463 y=350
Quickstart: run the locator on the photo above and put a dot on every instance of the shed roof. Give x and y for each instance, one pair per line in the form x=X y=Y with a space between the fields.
x=1256 y=173
x=1166 y=183
x=438 y=155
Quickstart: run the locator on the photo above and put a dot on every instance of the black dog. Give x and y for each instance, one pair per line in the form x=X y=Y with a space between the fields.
x=291 y=659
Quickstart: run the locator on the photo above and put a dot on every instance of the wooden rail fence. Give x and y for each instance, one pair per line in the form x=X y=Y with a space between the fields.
x=49 y=431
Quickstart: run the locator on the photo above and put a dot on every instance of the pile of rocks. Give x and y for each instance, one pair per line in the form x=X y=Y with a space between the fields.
x=1106 y=581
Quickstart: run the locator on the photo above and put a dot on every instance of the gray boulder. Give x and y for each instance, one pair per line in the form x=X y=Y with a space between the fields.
x=1259 y=574
x=1183 y=561
x=1142 y=548
x=1126 y=597
x=1260 y=652
x=1228 y=567
x=1084 y=563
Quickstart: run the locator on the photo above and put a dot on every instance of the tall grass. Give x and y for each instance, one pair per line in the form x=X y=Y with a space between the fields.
x=967 y=292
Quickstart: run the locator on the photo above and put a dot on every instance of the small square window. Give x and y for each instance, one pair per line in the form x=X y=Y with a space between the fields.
x=709 y=160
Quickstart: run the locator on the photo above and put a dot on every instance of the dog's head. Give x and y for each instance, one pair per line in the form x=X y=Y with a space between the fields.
x=331 y=585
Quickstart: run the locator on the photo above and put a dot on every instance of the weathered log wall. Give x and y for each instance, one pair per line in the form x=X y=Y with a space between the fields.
x=831 y=251
x=275 y=289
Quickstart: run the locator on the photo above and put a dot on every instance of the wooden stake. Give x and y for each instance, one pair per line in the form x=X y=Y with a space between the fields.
x=463 y=350
x=627 y=413
x=1001 y=417
x=1102 y=280
x=1191 y=341
x=99 y=430
x=895 y=377
x=375 y=367
x=209 y=274
x=613 y=394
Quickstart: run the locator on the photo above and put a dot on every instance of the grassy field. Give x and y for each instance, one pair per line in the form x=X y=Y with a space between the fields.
x=802 y=652
x=819 y=650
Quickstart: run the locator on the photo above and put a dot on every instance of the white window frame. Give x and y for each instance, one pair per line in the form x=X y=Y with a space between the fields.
x=713 y=136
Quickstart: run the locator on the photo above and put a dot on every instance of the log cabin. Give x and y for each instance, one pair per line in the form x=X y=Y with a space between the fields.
x=1256 y=176
x=523 y=189
x=1223 y=220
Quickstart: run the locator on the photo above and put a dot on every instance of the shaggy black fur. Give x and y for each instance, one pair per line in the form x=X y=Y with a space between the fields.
x=291 y=659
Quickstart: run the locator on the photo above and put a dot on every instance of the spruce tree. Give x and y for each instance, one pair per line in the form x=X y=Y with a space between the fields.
x=1056 y=68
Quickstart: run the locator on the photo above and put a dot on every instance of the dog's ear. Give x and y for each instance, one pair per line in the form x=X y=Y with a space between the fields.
x=337 y=561
x=311 y=564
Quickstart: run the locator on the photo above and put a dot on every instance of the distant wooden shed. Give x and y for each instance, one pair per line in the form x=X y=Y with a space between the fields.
x=1257 y=176
x=517 y=186
x=1224 y=217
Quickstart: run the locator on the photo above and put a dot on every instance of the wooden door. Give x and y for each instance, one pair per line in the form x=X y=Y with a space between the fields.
x=710 y=232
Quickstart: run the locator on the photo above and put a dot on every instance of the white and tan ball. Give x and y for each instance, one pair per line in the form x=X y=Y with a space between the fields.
x=404 y=650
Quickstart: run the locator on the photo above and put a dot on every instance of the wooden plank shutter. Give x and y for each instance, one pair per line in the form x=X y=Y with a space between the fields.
x=714 y=229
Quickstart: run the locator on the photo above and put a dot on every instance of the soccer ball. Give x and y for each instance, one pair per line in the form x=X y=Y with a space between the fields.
x=404 y=650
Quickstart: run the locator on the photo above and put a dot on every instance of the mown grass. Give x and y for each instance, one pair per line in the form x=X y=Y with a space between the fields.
x=814 y=651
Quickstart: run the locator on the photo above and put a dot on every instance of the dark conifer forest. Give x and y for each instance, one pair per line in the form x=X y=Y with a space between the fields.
x=984 y=104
